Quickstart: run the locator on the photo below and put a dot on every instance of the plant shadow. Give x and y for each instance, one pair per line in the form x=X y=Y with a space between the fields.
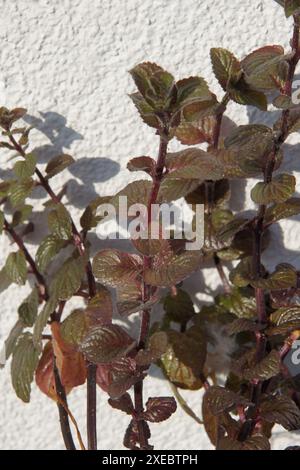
x=87 y=172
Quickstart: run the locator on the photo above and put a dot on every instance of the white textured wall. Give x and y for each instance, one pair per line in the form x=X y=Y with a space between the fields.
x=67 y=61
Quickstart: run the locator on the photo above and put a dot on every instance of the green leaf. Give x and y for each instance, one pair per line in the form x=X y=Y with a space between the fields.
x=146 y=111
x=146 y=164
x=283 y=210
x=99 y=309
x=293 y=122
x=241 y=93
x=113 y=267
x=250 y=146
x=252 y=140
x=285 y=314
x=192 y=89
x=60 y=223
x=226 y=67
x=196 y=132
x=68 y=279
x=238 y=303
x=242 y=274
x=105 y=344
x=194 y=98
x=278 y=190
x=265 y=369
x=29 y=308
x=186 y=170
x=137 y=192
x=4 y=188
x=228 y=232
x=282 y=410
x=193 y=163
x=21 y=215
x=283 y=277
x=157 y=346
x=172 y=189
x=24 y=139
x=179 y=308
x=47 y=250
x=154 y=84
x=291 y=7
x=129 y=298
x=283 y=102
x=24 y=362
x=89 y=218
x=8 y=117
x=42 y=320
x=184 y=360
x=221 y=194
x=74 y=327
x=171 y=271
x=19 y=190
x=16 y=267
x=25 y=168
x=13 y=336
x=265 y=68
x=219 y=399
x=240 y=325
x=58 y=164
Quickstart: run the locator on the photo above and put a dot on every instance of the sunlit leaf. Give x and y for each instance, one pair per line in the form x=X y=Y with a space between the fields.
x=278 y=190
x=105 y=344
x=24 y=362
x=16 y=267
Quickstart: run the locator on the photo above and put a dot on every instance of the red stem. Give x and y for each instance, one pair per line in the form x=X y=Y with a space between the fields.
x=210 y=188
x=145 y=319
x=39 y=277
x=258 y=234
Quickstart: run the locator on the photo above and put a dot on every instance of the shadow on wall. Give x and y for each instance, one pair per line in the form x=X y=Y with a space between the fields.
x=88 y=170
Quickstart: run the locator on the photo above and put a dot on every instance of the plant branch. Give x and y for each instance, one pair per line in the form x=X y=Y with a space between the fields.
x=63 y=415
x=145 y=319
x=258 y=234
x=78 y=242
x=19 y=242
x=210 y=189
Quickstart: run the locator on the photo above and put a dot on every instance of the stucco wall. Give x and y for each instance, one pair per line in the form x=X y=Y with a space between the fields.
x=67 y=61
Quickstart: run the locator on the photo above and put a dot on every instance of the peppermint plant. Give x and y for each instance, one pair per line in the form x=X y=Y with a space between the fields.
x=257 y=311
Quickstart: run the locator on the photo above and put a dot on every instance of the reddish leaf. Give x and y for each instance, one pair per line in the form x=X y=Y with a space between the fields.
x=159 y=409
x=105 y=344
x=124 y=403
x=131 y=438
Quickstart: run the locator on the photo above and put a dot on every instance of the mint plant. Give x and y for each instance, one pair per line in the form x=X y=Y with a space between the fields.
x=258 y=311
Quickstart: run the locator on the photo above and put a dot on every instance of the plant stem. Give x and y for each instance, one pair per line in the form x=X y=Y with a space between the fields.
x=19 y=242
x=210 y=189
x=78 y=242
x=91 y=406
x=223 y=277
x=258 y=234
x=63 y=415
x=145 y=318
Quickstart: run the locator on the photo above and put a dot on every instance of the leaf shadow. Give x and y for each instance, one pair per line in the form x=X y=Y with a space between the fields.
x=86 y=171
